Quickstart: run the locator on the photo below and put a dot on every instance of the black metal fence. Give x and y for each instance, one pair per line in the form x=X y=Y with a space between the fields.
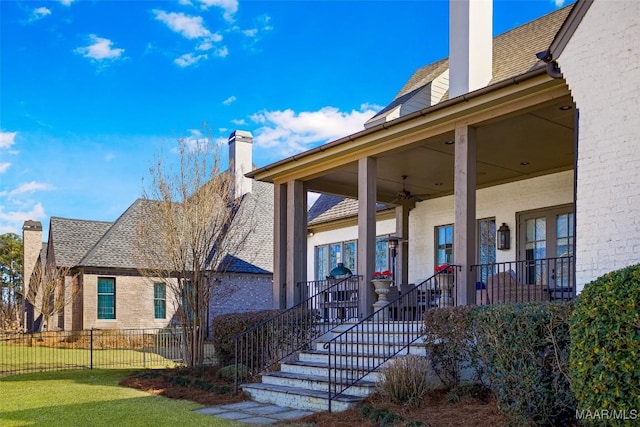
x=95 y=348
x=545 y=279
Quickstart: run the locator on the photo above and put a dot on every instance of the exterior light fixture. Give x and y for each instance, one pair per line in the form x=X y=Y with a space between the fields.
x=565 y=107
x=504 y=237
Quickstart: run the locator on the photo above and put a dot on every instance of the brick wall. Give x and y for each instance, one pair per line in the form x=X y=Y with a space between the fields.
x=501 y=201
x=601 y=65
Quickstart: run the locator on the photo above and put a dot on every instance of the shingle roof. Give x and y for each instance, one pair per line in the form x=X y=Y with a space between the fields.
x=115 y=248
x=514 y=53
x=73 y=238
x=331 y=208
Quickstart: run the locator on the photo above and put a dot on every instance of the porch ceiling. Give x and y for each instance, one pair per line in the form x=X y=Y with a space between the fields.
x=522 y=145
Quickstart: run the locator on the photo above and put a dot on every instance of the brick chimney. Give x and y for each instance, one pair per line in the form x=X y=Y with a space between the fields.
x=241 y=161
x=31 y=248
x=470 y=45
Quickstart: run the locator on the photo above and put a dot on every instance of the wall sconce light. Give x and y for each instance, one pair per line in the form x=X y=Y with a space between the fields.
x=504 y=237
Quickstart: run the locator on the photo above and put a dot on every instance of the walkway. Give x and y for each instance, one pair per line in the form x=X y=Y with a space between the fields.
x=254 y=412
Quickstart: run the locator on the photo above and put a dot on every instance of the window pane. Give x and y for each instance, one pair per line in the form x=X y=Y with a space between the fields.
x=106 y=298
x=444 y=245
x=349 y=257
x=335 y=255
x=382 y=255
x=159 y=300
x=487 y=241
x=322 y=262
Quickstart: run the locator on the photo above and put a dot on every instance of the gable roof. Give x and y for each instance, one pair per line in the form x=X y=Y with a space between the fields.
x=99 y=244
x=514 y=53
x=71 y=239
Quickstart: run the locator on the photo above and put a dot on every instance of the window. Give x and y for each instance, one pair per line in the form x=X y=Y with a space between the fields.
x=444 y=244
x=106 y=298
x=328 y=256
x=159 y=300
x=547 y=234
x=382 y=253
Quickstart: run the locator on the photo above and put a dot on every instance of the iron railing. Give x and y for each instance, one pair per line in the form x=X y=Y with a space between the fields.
x=545 y=279
x=365 y=346
x=262 y=347
x=89 y=349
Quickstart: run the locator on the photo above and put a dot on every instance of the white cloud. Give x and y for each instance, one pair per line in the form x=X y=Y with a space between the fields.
x=191 y=27
x=7 y=139
x=4 y=167
x=189 y=59
x=100 y=49
x=250 y=33
x=559 y=3
x=11 y=222
x=230 y=100
x=287 y=132
x=30 y=187
x=66 y=2
x=239 y=122
x=222 y=52
x=40 y=13
x=230 y=7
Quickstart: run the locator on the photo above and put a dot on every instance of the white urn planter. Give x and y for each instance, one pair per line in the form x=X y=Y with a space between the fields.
x=445 y=283
x=381 y=288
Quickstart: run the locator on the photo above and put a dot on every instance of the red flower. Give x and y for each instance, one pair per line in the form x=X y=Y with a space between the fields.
x=444 y=267
x=382 y=275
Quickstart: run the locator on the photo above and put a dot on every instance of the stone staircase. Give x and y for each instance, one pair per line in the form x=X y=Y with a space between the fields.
x=304 y=383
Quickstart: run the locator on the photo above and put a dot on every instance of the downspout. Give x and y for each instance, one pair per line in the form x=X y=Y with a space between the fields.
x=553 y=69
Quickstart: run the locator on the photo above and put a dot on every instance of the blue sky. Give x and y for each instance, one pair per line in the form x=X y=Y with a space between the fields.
x=90 y=91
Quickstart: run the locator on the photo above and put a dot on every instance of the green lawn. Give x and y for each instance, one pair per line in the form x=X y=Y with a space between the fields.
x=19 y=358
x=91 y=398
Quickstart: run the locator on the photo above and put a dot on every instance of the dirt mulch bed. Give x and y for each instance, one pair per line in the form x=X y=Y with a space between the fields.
x=198 y=385
x=436 y=408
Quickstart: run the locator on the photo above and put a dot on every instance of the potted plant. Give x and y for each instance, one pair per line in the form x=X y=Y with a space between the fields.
x=382 y=281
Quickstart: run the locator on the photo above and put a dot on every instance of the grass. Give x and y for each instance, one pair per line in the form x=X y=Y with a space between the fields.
x=91 y=397
x=19 y=358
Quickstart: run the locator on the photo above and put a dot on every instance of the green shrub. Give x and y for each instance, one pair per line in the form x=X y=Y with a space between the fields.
x=404 y=379
x=605 y=346
x=525 y=351
x=226 y=326
x=448 y=336
x=262 y=348
x=228 y=373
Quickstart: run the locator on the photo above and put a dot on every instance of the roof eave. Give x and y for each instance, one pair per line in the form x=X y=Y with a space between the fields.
x=269 y=172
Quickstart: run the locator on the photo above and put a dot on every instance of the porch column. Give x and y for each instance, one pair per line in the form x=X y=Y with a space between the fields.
x=296 y=240
x=279 y=245
x=366 y=233
x=464 y=235
x=402 y=258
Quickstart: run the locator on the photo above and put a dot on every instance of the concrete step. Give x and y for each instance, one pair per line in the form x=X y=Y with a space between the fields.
x=316 y=382
x=321 y=369
x=355 y=359
x=299 y=398
x=380 y=327
x=372 y=347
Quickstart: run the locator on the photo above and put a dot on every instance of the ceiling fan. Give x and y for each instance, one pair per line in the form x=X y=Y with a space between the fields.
x=405 y=195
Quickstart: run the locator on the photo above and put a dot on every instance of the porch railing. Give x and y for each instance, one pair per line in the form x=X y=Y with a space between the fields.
x=262 y=347
x=545 y=279
x=365 y=346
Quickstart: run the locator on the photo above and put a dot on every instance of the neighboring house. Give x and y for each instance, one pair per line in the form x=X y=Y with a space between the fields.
x=496 y=138
x=102 y=270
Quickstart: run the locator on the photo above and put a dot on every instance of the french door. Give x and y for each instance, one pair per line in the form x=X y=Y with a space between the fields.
x=546 y=245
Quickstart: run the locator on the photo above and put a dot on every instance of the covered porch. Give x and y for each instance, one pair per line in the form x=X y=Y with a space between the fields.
x=501 y=154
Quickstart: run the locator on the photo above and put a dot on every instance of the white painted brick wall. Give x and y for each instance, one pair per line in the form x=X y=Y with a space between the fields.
x=501 y=202
x=601 y=64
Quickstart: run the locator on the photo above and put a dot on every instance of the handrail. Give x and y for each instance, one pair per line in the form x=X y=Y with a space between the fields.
x=261 y=347
x=369 y=348
x=522 y=281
